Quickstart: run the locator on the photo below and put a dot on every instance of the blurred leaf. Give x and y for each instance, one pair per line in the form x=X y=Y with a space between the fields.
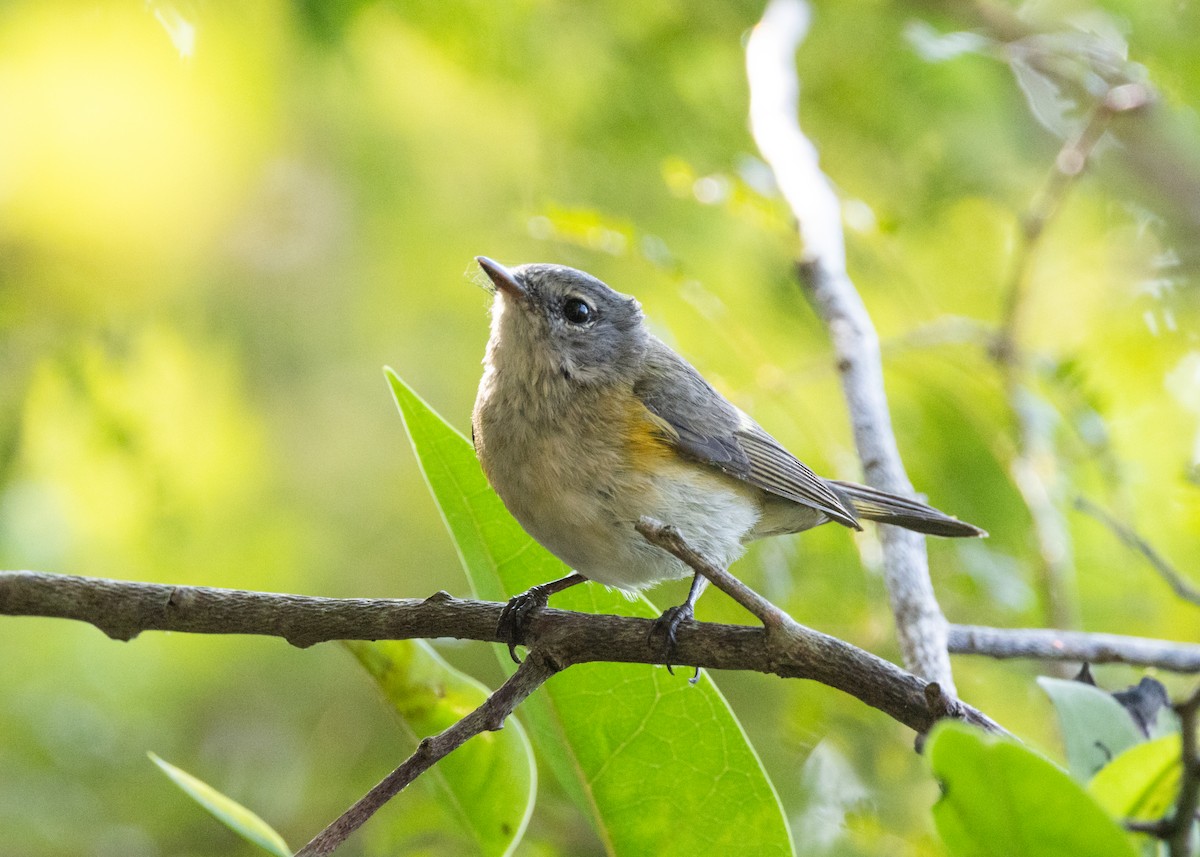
x=933 y=45
x=998 y=574
x=834 y=791
x=662 y=766
x=327 y=20
x=490 y=782
x=180 y=30
x=1000 y=799
x=1142 y=782
x=1096 y=728
x=229 y=812
x=1048 y=101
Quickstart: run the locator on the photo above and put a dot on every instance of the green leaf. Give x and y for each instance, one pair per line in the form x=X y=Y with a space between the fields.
x=1142 y=782
x=490 y=783
x=662 y=766
x=1096 y=728
x=228 y=811
x=1002 y=799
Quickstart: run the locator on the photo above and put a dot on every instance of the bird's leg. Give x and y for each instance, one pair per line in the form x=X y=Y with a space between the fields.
x=511 y=627
x=668 y=623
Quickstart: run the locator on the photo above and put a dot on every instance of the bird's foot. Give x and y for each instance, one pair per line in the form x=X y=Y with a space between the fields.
x=515 y=616
x=666 y=626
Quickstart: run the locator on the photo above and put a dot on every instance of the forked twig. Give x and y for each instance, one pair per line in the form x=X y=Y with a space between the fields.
x=877 y=682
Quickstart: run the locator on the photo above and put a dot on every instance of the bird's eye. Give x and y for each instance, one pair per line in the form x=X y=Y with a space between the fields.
x=577 y=311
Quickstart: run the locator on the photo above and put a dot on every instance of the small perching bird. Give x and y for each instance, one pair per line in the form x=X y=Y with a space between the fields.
x=585 y=422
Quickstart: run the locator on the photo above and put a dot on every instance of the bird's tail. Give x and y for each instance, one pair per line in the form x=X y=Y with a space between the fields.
x=875 y=505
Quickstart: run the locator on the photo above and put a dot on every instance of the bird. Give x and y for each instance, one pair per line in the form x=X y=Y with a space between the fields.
x=585 y=421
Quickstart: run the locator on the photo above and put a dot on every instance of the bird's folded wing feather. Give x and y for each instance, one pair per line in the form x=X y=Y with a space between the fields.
x=704 y=426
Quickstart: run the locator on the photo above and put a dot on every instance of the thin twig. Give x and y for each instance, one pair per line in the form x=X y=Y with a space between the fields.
x=1069 y=164
x=1179 y=842
x=1050 y=644
x=534 y=671
x=1034 y=466
x=1131 y=539
x=788 y=641
x=671 y=539
x=1176 y=828
x=774 y=95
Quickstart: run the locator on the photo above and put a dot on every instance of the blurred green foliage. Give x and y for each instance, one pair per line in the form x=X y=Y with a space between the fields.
x=218 y=221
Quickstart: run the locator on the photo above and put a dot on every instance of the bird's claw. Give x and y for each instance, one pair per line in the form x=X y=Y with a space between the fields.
x=515 y=615
x=667 y=625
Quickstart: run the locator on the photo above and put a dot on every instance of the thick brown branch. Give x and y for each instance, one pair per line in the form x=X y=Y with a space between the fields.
x=126 y=608
x=123 y=609
x=531 y=675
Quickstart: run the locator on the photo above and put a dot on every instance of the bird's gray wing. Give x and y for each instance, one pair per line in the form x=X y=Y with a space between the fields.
x=702 y=425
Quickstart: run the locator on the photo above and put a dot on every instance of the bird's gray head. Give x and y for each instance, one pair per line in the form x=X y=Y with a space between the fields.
x=550 y=319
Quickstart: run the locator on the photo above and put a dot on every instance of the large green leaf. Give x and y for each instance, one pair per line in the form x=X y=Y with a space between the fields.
x=240 y=820
x=1096 y=728
x=1001 y=799
x=662 y=766
x=488 y=785
x=1142 y=782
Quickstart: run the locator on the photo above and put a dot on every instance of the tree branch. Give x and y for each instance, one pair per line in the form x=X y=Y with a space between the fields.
x=566 y=637
x=774 y=93
x=534 y=671
x=1176 y=829
x=1049 y=644
x=123 y=609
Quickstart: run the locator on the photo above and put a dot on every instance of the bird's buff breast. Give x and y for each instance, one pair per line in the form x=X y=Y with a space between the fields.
x=577 y=476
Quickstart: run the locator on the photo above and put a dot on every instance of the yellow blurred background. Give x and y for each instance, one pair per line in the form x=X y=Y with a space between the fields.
x=219 y=221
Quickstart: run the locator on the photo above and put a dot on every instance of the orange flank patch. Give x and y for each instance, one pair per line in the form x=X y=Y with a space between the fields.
x=649 y=437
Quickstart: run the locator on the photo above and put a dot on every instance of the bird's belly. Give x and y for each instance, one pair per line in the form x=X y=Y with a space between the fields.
x=589 y=523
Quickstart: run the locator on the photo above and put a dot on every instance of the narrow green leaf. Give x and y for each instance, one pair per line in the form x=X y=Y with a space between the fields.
x=490 y=783
x=1142 y=782
x=662 y=766
x=1096 y=728
x=229 y=812
x=1001 y=799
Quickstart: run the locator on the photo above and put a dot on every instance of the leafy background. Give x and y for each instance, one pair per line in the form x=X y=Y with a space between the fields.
x=218 y=222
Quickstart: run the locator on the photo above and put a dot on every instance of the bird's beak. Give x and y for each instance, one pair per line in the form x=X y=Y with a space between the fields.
x=502 y=277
